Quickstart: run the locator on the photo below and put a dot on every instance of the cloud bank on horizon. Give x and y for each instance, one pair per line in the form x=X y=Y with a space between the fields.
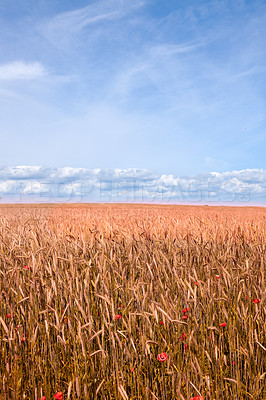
x=176 y=87
x=50 y=185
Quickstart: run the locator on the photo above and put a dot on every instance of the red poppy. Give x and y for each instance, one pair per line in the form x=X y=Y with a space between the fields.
x=186 y=347
x=233 y=362
x=196 y=283
x=162 y=357
x=197 y=398
x=8 y=316
x=256 y=301
x=217 y=276
x=118 y=316
x=183 y=336
x=42 y=398
x=58 y=396
x=185 y=310
x=23 y=339
x=161 y=323
x=132 y=370
x=223 y=324
x=185 y=317
x=26 y=267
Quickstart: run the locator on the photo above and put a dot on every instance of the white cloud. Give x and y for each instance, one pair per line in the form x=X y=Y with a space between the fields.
x=20 y=70
x=79 y=184
x=72 y=22
x=170 y=49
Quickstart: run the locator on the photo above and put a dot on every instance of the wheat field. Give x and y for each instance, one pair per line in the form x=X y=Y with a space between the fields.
x=132 y=302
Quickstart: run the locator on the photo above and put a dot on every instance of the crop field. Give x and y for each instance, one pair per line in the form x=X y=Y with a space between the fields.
x=132 y=302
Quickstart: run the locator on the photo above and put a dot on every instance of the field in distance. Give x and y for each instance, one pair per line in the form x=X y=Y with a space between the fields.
x=116 y=301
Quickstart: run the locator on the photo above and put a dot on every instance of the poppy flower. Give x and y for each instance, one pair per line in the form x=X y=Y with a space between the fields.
x=196 y=283
x=23 y=339
x=26 y=267
x=186 y=347
x=132 y=370
x=162 y=357
x=118 y=316
x=183 y=336
x=197 y=398
x=42 y=398
x=217 y=276
x=256 y=301
x=161 y=323
x=8 y=315
x=185 y=317
x=185 y=310
x=58 y=396
x=223 y=324
x=233 y=362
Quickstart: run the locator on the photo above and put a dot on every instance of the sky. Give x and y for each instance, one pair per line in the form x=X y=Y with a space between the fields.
x=157 y=100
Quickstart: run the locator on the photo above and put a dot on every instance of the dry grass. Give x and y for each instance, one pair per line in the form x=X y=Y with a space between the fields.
x=89 y=263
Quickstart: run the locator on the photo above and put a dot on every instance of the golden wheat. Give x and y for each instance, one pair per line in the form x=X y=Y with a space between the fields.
x=183 y=279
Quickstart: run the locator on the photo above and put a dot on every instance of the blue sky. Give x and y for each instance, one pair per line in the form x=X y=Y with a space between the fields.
x=176 y=88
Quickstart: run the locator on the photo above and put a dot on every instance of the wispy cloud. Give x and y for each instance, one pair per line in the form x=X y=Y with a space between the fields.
x=94 y=13
x=20 y=70
x=63 y=26
x=106 y=185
